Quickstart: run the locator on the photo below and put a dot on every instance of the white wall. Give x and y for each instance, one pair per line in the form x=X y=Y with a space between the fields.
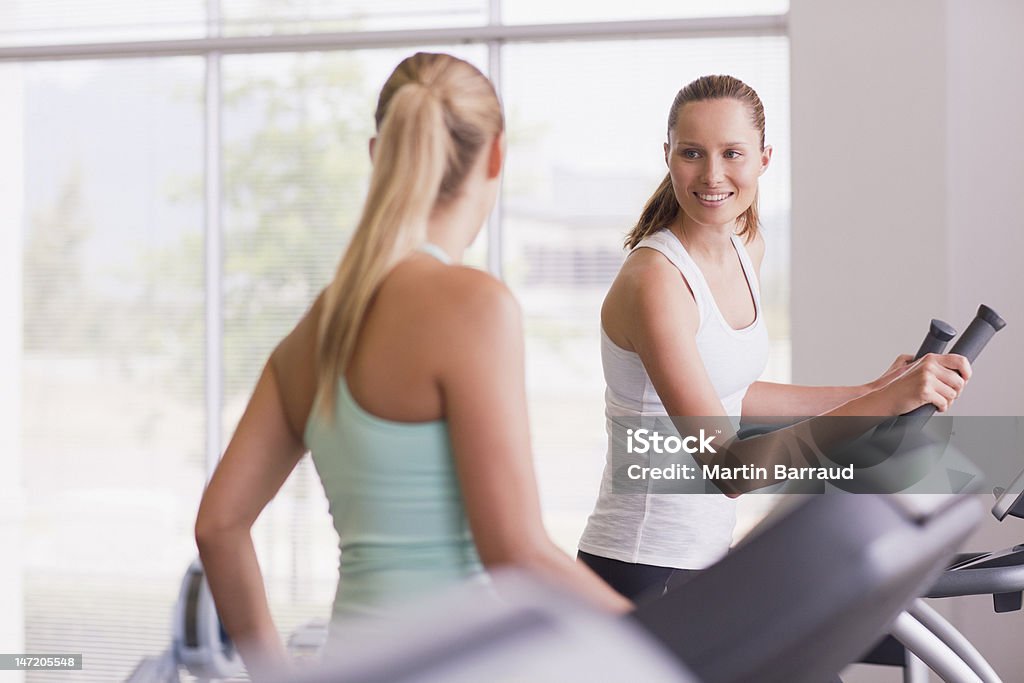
x=869 y=228
x=908 y=153
x=984 y=193
x=985 y=214
x=907 y=156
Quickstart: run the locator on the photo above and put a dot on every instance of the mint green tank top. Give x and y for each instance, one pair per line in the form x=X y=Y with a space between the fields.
x=396 y=504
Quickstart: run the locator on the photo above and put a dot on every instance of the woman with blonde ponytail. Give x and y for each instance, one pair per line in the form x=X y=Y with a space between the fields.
x=683 y=335
x=404 y=380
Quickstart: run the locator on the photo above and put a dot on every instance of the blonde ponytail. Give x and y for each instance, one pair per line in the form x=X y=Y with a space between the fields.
x=659 y=211
x=420 y=158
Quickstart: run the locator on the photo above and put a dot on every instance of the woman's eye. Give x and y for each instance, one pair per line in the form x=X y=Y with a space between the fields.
x=690 y=154
x=732 y=154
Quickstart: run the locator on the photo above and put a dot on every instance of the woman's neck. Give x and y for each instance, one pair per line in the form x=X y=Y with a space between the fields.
x=453 y=227
x=711 y=243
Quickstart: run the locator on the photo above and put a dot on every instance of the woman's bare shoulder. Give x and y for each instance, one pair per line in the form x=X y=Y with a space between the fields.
x=454 y=299
x=647 y=289
x=648 y=276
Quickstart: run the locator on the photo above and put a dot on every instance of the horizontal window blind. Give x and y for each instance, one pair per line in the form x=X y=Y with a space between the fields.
x=33 y=22
x=543 y=12
x=112 y=352
x=253 y=17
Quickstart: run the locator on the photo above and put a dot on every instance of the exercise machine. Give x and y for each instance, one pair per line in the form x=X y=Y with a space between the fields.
x=797 y=601
x=922 y=639
x=199 y=643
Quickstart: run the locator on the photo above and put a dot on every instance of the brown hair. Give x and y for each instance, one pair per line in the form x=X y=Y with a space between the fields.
x=434 y=116
x=662 y=208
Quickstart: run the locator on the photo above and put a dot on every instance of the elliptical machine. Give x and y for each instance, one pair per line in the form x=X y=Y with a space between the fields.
x=921 y=638
x=199 y=642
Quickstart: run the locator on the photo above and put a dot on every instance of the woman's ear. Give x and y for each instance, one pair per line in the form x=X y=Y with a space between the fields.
x=496 y=155
x=766 y=157
x=373 y=143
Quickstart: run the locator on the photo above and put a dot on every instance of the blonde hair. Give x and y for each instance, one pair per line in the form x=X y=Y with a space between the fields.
x=662 y=208
x=434 y=116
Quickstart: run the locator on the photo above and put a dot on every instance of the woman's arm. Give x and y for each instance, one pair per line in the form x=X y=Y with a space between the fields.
x=659 y=317
x=485 y=404
x=262 y=453
x=769 y=399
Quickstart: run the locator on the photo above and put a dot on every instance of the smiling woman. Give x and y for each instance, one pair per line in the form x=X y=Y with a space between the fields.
x=684 y=335
x=713 y=182
x=721 y=141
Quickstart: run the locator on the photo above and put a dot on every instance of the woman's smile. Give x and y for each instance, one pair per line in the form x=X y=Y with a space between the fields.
x=712 y=200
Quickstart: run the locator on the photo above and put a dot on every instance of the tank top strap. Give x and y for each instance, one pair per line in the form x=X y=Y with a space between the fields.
x=437 y=252
x=671 y=248
x=748 y=270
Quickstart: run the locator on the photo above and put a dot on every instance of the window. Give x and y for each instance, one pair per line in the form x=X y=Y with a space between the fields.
x=112 y=366
x=29 y=22
x=254 y=17
x=103 y=178
x=541 y=12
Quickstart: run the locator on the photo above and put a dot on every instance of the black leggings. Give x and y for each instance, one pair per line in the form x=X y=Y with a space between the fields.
x=639 y=582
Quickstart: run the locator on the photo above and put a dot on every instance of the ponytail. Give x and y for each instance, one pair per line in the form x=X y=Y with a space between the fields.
x=434 y=115
x=410 y=158
x=750 y=221
x=659 y=211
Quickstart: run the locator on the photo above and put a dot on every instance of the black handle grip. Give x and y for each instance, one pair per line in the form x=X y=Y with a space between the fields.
x=984 y=326
x=939 y=334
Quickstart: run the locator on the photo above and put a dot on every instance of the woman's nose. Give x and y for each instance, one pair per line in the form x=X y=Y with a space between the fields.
x=712 y=172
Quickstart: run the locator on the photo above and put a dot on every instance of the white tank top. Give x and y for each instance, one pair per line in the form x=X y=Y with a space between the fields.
x=684 y=531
